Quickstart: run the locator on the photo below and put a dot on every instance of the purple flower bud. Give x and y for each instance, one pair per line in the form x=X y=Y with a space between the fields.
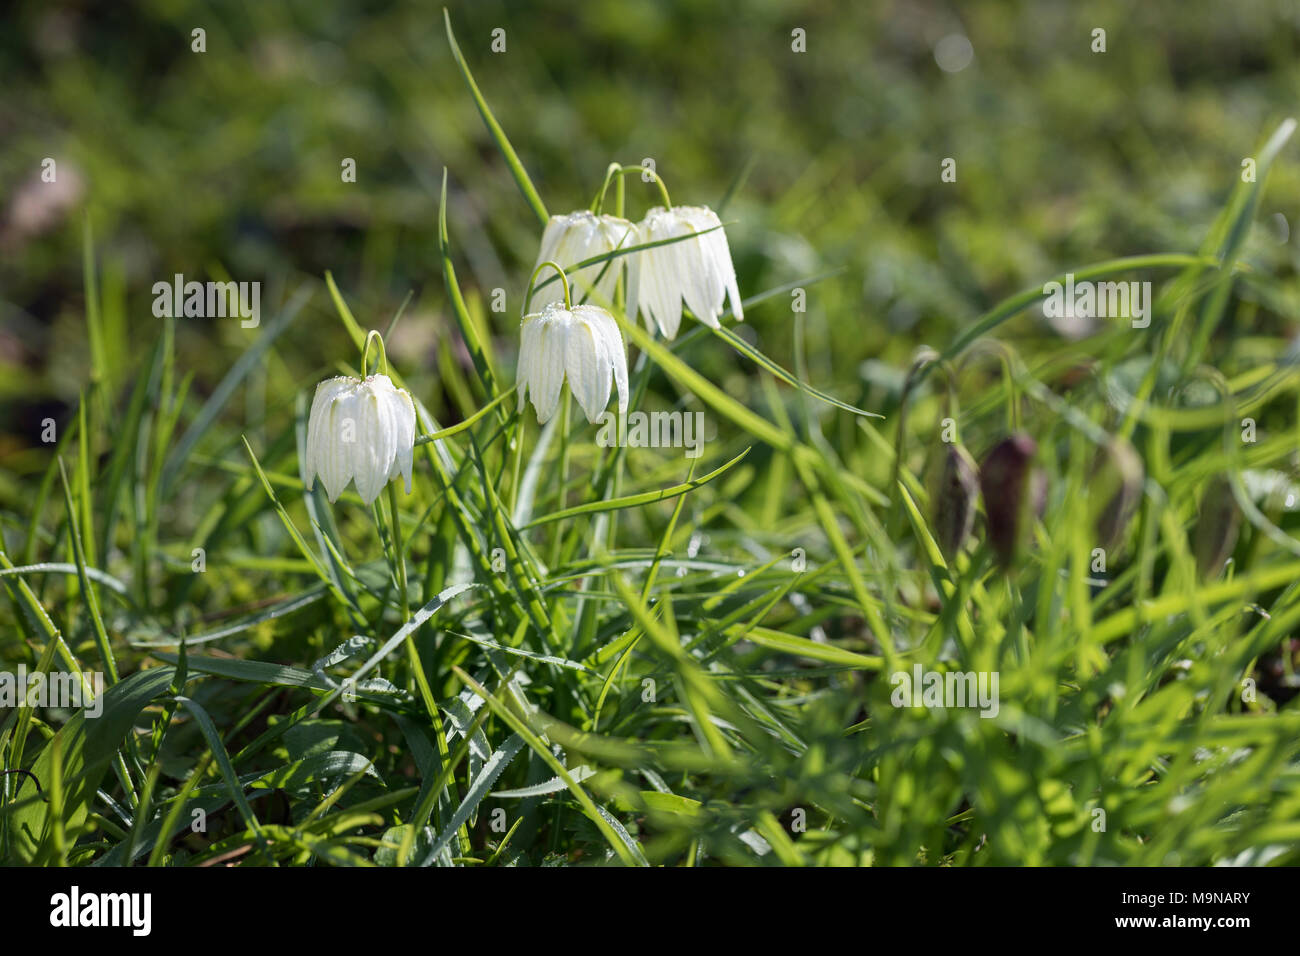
x=1013 y=488
x=953 y=500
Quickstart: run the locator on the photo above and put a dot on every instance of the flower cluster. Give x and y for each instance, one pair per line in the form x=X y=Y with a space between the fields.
x=676 y=256
x=362 y=430
x=686 y=259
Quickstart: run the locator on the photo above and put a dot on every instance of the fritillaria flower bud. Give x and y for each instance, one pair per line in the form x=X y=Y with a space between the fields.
x=953 y=499
x=1014 y=490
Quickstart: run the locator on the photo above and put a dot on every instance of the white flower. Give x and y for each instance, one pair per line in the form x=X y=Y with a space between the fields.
x=568 y=240
x=362 y=430
x=583 y=342
x=697 y=271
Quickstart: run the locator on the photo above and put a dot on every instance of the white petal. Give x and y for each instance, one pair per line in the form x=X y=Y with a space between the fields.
x=388 y=436
x=702 y=293
x=398 y=428
x=530 y=343
x=615 y=234
x=584 y=240
x=313 y=443
x=332 y=459
x=659 y=296
x=347 y=432
x=588 y=365
x=715 y=262
x=609 y=338
x=694 y=265
x=641 y=286
x=387 y=442
x=722 y=267
x=371 y=448
x=404 y=413
x=547 y=371
x=671 y=269
x=552 y=239
x=317 y=428
x=573 y=238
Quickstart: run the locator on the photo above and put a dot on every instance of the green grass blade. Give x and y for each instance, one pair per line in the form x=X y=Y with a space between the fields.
x=498 y=135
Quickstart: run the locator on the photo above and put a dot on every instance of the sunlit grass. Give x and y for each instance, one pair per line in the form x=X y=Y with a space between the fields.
x=635 y=658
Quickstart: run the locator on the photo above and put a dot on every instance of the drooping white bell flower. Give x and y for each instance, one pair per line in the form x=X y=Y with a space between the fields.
x=583 y=344
x=568 y=240
x=696 y=271
x=360 y=430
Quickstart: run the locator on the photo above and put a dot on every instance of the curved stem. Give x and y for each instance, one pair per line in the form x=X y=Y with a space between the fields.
x=564 y=280
x=374 y=336
x=1010 y=362
x=663 y=189
x=598 y=203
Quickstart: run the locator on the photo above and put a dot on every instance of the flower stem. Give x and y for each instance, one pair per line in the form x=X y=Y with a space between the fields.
x=520 y=433
x=615 y=169
x=399 y=559
x=643 y=170
x=374 y=336
x=412 y=652
x=564 y=467
x=618 y=457
x=564 y=280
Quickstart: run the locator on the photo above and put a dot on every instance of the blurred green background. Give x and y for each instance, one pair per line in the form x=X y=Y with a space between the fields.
x=227 y=163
